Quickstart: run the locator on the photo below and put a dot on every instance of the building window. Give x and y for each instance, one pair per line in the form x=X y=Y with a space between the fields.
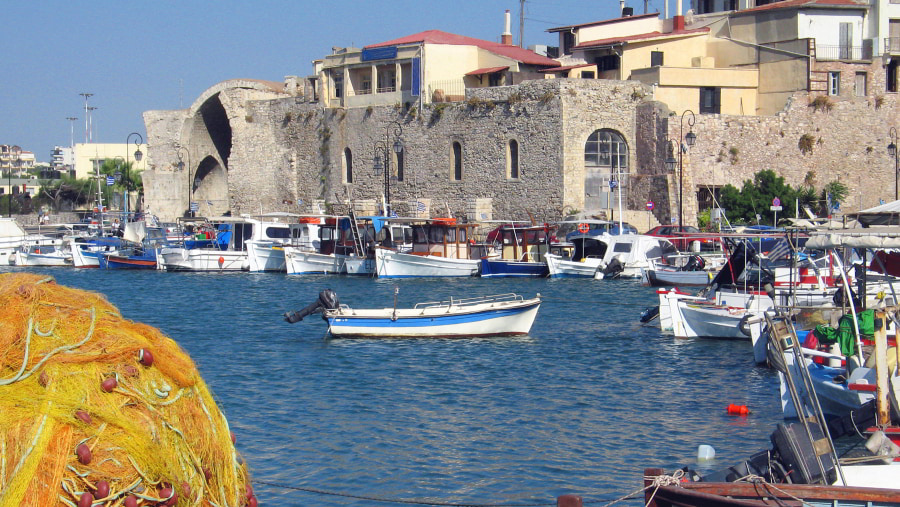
x=587 y=74
x=834 y=83
x=495 y=79
x=568 y=41
x=606 y=149
x=457 y=161
x=861 y=78
x=399 y=155
x=656 y=58
x=512 y=159
x=710 y=100
x=338 y=85
x=348 y=165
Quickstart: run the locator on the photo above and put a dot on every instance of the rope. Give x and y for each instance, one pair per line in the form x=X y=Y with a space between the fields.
x=397 y=500
x=760 y=480
x=662 y=480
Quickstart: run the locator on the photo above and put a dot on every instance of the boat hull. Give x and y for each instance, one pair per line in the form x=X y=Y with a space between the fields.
x=559 y=267
x=501 y=268
x=392 y=264
x=201 y=259
x=301 y=262
x=265 y=256
x=490 y=319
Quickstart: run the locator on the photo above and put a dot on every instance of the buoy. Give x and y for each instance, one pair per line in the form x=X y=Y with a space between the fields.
x=145 y=357
x=109 y=384
x=84 y=454
x=738 y=409
x=705 y=452
x=221 y=261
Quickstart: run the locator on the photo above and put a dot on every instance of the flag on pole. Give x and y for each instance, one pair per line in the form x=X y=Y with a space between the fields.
x=195 y=206
x=420 y=206
x=110 y=181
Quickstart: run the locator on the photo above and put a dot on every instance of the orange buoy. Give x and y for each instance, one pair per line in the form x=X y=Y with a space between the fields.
x=738 y=409
x=221 y=261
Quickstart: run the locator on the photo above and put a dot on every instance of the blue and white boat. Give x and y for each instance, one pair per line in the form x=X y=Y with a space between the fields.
x=520 y=251
x=496 y=315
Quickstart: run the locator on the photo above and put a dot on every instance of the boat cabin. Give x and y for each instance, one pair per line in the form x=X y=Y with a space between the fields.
x=523 y=243
x=442 y=237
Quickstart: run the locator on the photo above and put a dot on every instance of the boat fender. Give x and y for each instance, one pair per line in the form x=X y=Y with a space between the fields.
x=649 y=314
x=744 y=325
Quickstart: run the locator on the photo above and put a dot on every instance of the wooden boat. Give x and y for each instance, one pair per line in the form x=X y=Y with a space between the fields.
x=496 y=315
x=674 y=493
x=521 y=250
x=440 y=248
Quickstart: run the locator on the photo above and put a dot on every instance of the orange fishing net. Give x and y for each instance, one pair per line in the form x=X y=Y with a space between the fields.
x=95 y=408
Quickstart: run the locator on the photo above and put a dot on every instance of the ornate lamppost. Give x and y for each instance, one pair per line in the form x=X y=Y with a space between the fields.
x=181 y=152
x=684 y=142
x=382 y=162
x=893 y=152
x=138 y=155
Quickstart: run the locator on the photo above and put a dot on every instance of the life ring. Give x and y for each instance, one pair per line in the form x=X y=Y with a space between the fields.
x=584 y=228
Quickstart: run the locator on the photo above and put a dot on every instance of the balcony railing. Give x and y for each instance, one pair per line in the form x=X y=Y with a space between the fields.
x=892 y=45
x=843 y=53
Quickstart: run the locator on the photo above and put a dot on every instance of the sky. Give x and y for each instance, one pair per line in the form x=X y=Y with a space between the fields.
x=137 y=56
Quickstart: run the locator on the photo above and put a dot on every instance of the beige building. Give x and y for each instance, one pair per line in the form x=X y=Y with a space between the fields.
x=90 y=156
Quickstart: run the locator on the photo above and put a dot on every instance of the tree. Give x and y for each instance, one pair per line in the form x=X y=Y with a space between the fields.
x=833 y=194
x=755 y=198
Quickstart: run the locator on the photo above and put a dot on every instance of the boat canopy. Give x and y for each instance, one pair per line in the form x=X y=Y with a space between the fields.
x=876 y=238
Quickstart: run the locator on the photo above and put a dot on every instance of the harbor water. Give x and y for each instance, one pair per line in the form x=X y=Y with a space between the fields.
x=580 y=406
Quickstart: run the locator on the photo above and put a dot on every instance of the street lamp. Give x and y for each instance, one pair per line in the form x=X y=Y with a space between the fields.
x=685 y=142
x=179 y=150
x=382 y=154
x=138 y=155
x=893 y=152
x=15 y=151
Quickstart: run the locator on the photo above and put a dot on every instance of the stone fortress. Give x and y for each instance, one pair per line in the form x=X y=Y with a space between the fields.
x=521 y=138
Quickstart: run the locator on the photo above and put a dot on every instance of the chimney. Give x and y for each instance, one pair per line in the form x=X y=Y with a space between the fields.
x=678 y=21
x=506 y=36
x=622 y=8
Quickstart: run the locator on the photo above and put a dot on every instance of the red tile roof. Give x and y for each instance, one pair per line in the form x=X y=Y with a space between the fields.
x=438 y=37
x=604 y=22
x=641 y=37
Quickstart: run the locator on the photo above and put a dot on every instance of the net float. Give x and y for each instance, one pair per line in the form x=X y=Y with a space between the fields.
x=86 y=500
x=131 y=501
x=102 y=489
x=84 y=416
x=109 y=384
x=84 y=454
x=145 y=357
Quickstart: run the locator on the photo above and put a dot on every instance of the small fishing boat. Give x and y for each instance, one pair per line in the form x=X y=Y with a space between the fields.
x=440 y=248
x=496 y=315
x=44 y=255
x=608 y=256
x=520 y=251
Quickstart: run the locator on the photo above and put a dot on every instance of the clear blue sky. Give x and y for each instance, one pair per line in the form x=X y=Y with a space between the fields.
x=138 y=56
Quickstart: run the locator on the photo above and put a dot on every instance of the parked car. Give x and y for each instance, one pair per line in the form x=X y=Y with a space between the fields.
x=686 y=237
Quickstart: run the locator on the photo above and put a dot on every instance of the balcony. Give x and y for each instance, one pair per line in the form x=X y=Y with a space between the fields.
x=892 y=45
x=826 y=53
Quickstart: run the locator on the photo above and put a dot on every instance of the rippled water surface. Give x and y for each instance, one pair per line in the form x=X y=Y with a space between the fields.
x=581 y=406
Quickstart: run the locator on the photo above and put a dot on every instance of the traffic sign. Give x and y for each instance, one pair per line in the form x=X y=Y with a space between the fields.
x=649 y=205
x=776 y=202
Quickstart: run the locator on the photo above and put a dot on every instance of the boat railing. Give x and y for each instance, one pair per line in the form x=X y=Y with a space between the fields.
x=496 y=298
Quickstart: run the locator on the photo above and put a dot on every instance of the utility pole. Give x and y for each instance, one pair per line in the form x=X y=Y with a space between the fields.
x=71 y=130
x=521 y=23
x=86 y=96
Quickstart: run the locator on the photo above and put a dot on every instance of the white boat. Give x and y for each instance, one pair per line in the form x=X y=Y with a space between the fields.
x=692 y=271
x=608 y=256
x=322 y=247
x=496 y=315
x=43 y=255
x=12 y=238
x=269 y=254
x=226 y=251
x=381 y=231
x=86 y=251
x=440 y=249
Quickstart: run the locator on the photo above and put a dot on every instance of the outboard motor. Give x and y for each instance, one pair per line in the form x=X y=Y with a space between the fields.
x=614 y=268
x=694 y=263
x=327 y=300
x=649 y=314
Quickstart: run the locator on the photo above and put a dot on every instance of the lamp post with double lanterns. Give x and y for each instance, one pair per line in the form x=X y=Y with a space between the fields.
x=183 y=152
x=893 y=152
x=138 y=155
x=684 y=142
x=382 y=162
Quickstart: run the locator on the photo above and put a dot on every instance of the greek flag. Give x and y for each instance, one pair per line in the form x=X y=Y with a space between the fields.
x=195 y=206
x=780 y=249
x=110 y=181
x=393 y=214
x=420 y=206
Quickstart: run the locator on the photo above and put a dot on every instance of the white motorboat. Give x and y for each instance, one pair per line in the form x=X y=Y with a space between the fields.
x=12 y=238
x=496 y=315
x=269 y=254
x=43 y=255
x=322 y=247
x=608 y=256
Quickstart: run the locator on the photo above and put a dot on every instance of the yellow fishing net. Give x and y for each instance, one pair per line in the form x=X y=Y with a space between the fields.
x=97 y=408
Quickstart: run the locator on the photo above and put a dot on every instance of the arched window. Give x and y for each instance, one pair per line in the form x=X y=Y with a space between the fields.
x=606 y=149
x=512 y=159
x=457 y=161
x=348 y=165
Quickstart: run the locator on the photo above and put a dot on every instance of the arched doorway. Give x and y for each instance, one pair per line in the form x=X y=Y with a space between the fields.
x=209 y=187
x=605 y=162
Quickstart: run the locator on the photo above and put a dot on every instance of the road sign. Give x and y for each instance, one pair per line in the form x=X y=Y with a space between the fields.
x=613 y=184
x=649 y=205
x=776 y=202
x=775 y=208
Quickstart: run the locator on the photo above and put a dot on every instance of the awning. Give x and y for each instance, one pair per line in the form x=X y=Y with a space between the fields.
x=487 y=70
x=877 y=238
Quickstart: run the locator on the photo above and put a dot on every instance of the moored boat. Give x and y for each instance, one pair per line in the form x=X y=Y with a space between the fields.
x=495 y=315
x=440 y=249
